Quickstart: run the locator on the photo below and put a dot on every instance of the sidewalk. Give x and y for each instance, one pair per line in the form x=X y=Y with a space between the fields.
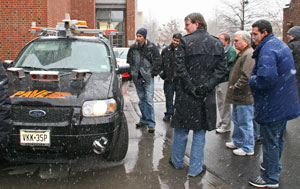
x=223 y=167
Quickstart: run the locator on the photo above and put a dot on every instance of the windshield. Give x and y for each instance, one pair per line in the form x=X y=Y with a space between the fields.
x=65 y=54
x=121 y=53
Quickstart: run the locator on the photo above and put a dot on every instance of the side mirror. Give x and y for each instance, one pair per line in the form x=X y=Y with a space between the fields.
x=7 y=64
x=123 y=68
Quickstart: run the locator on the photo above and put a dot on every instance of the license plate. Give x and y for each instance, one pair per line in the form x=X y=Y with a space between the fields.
x=34 y=137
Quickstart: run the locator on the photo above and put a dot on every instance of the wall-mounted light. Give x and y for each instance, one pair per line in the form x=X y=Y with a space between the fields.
x=289 y=24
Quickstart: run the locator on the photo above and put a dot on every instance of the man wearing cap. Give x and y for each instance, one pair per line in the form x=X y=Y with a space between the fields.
x=145 y=63
x=293 y=36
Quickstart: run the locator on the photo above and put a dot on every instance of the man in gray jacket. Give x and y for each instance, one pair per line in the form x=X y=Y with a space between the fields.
x=145 y=63
x=239 y=95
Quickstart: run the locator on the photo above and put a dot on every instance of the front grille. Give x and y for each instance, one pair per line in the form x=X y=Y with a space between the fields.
x=53 y=114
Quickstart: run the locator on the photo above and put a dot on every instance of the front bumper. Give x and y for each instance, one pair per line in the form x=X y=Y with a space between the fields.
x=74 y=138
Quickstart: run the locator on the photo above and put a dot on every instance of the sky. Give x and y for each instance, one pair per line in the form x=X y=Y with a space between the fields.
x=165 y=10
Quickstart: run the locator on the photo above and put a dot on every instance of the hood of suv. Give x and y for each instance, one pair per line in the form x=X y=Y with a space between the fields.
x=65 y=92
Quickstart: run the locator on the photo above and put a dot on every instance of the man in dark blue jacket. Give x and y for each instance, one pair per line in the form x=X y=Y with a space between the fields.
x=274 y=88
x=5 y=120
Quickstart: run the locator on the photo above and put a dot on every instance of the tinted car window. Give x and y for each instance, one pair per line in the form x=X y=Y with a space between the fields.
x=65 y=54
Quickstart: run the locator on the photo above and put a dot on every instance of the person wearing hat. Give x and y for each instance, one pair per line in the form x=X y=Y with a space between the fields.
x=145 y=63
x=293 y=36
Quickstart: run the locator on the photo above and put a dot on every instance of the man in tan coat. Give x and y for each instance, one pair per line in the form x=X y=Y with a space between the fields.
x=239 y=95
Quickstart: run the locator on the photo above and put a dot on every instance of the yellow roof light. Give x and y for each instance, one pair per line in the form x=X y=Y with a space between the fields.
x=80 y=23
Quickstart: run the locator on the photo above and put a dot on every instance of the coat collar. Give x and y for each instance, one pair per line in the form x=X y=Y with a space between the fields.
x=295 y=39
x=245 y=49
x=264 y=41
x=145 y=44
x=226 y=48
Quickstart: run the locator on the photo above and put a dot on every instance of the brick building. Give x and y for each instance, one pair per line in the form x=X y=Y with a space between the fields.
x=17 y=15
x=291 y=17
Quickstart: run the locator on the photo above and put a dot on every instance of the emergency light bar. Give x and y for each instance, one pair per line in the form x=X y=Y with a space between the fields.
x=44 y=75
x=79 y=74
x=71 y=26
x=79 y=23
x=18 y=72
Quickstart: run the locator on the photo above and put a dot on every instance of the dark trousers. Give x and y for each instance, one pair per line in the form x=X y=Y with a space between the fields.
x=273 y=142
x=169 y=90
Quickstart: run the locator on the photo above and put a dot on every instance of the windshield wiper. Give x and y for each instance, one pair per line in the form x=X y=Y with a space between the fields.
x=32 y=68
x=66 y=69
x=121 y=54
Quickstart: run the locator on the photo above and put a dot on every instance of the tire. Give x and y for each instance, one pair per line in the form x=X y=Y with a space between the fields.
x=120 y=148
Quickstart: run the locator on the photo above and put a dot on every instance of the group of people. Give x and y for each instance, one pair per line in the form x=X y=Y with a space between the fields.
x=260 y=83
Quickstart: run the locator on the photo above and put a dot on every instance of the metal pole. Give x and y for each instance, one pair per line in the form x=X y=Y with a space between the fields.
x=245 y=2
x=243 y=15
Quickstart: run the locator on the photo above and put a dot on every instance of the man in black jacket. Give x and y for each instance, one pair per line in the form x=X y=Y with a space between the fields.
x=145 y=63
x=200 y=66
x=293 y=35
x=168 y=74
x=5 y=120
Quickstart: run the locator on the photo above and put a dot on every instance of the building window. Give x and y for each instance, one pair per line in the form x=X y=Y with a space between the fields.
x=112 y=20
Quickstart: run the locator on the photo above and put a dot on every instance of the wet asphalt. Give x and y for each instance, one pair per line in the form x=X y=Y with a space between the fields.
x=227 y=169
x=146 y=164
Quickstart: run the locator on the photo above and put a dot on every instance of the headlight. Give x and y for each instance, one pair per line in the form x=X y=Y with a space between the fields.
x=98 y=108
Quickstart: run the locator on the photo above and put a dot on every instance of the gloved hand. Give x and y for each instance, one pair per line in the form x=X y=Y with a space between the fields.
x=163 y=76
x=201 y=91
x=153 y=74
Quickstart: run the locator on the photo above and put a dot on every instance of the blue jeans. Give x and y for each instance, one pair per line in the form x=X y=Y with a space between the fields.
x=243 y=136
x=272 y=140
x=145 y=93
x=197 y=152
x=169 y=90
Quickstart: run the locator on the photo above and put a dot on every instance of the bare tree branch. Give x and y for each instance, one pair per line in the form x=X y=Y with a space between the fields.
x=167 y=31
x=235 y=15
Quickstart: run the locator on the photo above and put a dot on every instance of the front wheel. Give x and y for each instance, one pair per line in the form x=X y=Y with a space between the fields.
x=119 y=151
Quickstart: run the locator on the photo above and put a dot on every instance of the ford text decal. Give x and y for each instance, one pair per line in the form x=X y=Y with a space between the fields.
x=40 y=94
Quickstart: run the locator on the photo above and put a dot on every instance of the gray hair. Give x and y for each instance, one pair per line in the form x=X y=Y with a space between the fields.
x=244 y=35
